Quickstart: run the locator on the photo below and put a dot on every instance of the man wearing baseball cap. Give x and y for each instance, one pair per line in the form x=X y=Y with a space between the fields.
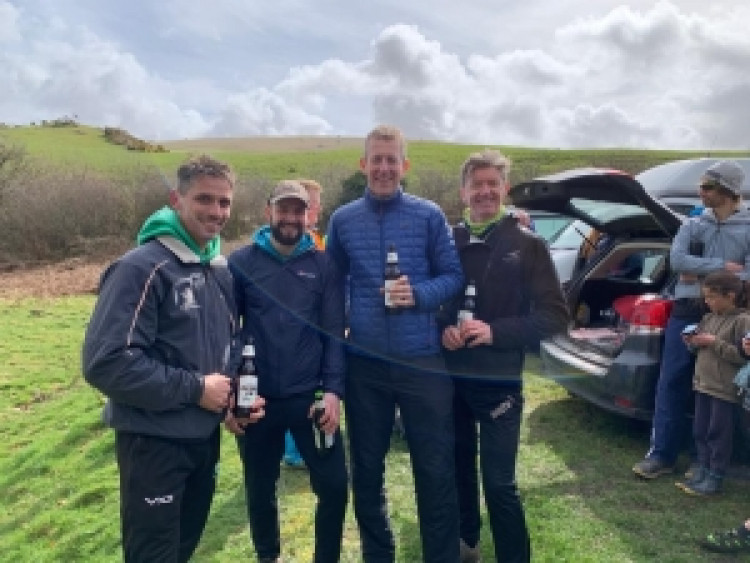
x=291 y=302
x=716 y=239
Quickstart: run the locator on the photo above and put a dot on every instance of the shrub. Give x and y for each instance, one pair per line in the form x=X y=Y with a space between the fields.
x=50 y=214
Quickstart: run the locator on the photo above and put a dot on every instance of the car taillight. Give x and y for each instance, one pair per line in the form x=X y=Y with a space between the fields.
x=644 y=313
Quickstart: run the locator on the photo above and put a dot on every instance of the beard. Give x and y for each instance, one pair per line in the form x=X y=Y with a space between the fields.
x=287 y=239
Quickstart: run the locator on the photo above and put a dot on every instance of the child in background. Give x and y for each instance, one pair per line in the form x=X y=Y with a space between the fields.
x=718 y=359
x=735 y=540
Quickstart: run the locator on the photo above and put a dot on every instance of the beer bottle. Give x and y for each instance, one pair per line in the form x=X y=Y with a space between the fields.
x=323 y=441
x=246 y=383
x=468 y=309
x=392 y=273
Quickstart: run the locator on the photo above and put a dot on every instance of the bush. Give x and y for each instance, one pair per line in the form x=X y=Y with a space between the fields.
x=52 y=215
x=118 y=136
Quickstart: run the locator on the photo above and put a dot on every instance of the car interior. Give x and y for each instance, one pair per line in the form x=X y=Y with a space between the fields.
x=597 y=322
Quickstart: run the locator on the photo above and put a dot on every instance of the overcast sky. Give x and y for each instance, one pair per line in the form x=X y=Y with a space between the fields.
x=568 y=73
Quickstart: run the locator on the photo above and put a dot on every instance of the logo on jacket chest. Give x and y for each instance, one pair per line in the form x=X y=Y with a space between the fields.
x=305 y=274
x=185 y=290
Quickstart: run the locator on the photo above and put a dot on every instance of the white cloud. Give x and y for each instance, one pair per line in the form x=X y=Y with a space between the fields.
x=261 y=112
x=9 y=30
x=638 y=74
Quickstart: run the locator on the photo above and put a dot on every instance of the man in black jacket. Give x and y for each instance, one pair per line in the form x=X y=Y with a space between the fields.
x=291 y=303
x=158 y=346
x=518 y=302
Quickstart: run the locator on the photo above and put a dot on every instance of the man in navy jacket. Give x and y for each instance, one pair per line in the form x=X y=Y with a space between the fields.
x=158 y=346
x=291 y=302
x=394 y=357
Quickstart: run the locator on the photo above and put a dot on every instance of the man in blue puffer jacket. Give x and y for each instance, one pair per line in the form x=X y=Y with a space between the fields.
x=394 y=358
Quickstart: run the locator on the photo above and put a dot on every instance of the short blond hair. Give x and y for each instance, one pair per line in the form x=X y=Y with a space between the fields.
x=310 y=185
x=488 y=158
x=386 y=133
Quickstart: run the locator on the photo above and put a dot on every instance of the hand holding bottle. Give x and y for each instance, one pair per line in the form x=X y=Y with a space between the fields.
x=400 y=293
x=237 y=425
x=215 y=395
x=329 y=420
x=475 y=332
x=451 y=338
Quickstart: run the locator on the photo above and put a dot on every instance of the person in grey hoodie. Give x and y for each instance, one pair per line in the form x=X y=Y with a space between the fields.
x=717 y=239
x=159 y=346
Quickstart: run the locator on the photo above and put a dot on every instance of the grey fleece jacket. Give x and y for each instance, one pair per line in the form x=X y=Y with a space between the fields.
x=725 y=241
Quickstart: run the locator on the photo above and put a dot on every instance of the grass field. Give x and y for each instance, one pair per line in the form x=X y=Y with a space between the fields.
x=59 y=488
x=275 y=158
x=58 y=480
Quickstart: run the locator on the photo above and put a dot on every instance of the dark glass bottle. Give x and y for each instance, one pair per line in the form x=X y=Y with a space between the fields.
x=392 y=273
x=323 y=442
x=246 y=383
x=469 y=306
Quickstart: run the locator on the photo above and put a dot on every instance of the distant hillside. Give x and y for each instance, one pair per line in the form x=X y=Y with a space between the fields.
x=326 y=158
x=265 y=144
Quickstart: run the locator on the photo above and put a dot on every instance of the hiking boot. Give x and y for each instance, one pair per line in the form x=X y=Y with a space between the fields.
x=693 y=476
x=651 y=468
x=710 y=485
x=468 y=554
x=728 y=541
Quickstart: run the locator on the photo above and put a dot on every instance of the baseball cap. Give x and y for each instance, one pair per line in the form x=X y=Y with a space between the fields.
x=289 y=189
x=727 y=174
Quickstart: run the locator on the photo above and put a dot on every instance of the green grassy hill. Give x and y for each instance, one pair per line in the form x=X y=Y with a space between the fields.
x=275 y=158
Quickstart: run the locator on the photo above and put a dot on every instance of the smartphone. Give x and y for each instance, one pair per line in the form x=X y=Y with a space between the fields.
x=690 y=330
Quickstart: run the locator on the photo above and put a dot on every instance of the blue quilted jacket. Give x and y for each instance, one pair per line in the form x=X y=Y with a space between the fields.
x=359 y=235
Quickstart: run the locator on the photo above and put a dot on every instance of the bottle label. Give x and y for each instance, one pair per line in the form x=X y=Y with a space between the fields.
x=322 y=440
x=388 y=286
x=465 y=315
x=247 y=390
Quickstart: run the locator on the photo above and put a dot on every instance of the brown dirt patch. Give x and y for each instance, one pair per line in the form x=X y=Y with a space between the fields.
x=72 y=277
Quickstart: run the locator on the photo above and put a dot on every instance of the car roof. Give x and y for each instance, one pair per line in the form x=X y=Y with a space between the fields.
x=609 y=200
x=681 y=178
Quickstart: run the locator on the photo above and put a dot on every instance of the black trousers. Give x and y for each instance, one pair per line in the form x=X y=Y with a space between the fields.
x=261 y=449
x=166 y=488
x=713 y=431
x=424 y=395
x=498 y=413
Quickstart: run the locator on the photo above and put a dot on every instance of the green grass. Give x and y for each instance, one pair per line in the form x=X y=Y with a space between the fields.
x=84 y=146
x=59 y=486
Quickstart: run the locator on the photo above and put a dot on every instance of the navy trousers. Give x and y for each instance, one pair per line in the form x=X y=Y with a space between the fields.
x=670 y=425
x=498 y=414
x=424 y=394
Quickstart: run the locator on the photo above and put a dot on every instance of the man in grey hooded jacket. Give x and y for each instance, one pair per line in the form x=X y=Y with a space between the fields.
x=717 y=239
